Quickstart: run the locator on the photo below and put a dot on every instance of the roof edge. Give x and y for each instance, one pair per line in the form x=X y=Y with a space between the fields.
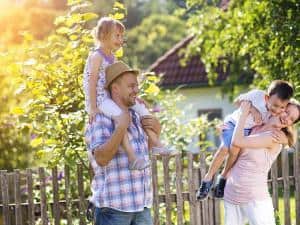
x=170 y=52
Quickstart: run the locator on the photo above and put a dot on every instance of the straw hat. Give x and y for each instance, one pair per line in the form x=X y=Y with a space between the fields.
x=115 y=70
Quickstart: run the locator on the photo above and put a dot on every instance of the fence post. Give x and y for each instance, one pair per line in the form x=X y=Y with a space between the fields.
x=4 y=186
x=81 y=195
x=286 y=186
x=155 y=190
x=204 y=204
x=67 y=195
x=56 y=207
x=30 y=196
x=18 y=209
x=274 y=177
x=166 y=172
x=179 y=199
x=43 y=196
x=192 y=193
x=297 y=179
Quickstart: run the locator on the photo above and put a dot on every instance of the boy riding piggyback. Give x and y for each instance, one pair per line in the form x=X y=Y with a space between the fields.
x=264 y=105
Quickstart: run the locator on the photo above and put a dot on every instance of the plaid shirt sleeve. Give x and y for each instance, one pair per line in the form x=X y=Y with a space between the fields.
x=98 y=132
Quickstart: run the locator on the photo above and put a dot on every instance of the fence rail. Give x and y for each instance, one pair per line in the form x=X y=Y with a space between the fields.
x=48 y=196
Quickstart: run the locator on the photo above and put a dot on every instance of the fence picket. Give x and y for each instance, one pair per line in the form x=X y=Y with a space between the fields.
x=5 y=197
x=18 y=212
x=200 y=213
x=286 y=187
x=30 y=197
x=274 y=177
x=67 y=195
x=56 y=207
x=192 y=196
x=297 y=180
x=155 y=190
x=81 y=195
x=43 y=196
x=179 y=199
x=166 y=172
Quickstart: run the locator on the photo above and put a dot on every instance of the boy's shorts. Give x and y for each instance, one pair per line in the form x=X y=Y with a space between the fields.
x=226 y=135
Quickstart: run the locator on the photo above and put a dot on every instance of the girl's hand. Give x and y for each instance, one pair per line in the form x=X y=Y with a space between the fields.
x=150 y=122
x=92 y=114
x=122 y=121
x=245 y=107
x=279 y=137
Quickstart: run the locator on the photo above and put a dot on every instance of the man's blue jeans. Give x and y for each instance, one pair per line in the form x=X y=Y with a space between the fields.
x=109 y=216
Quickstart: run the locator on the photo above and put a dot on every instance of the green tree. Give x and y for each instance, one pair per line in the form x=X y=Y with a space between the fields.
x=153 y=37
x=47 y=101
x=257 y=39
x=15 y=149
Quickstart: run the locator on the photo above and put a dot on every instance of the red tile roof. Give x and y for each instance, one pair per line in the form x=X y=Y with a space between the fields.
x=193 y=74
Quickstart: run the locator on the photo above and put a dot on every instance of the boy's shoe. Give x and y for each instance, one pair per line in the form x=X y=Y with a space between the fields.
x=164 y=151
x=220 y=186
x=139 y=164
x=204 y=189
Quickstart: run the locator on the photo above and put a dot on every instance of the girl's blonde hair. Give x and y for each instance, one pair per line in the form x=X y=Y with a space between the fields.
x=104 y=28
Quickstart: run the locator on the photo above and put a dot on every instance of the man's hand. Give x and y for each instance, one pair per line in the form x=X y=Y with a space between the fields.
x=279 y=137
x=122 y=121
x=257 y=117
x=150 y=122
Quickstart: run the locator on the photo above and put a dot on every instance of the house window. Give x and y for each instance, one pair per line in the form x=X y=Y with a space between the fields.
x=211 y=115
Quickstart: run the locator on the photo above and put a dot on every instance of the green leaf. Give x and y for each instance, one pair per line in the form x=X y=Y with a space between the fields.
x=89 y=16
x=74 y=2
x=36 y=142
x=119 y=5
x=63 y=30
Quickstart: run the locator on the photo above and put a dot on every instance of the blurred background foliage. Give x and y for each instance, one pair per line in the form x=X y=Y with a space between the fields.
x=257 y=41
x=42 y=113
x=44 y=44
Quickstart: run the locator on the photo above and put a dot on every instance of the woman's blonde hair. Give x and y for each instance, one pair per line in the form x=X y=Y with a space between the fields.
x=297 y=104
x=104 y=28
x=290 y=134
x=290 y=131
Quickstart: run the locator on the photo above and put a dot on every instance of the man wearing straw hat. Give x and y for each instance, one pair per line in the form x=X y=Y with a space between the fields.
x=121 y=196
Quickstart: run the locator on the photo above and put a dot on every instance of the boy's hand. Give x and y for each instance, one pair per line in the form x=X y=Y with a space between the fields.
x=92 y=114
x=279 y=137
x=256 y=115
x=220 y=127
x=245 y=107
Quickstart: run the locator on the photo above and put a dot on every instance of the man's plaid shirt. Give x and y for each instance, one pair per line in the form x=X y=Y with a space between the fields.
x=114 y=185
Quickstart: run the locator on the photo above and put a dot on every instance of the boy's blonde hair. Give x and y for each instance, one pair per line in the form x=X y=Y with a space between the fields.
x=105 y=26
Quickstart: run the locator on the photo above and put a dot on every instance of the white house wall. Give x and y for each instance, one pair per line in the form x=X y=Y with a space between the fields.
x=202 y=99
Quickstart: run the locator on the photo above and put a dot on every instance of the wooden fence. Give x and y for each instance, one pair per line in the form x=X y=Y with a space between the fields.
x=49 y=196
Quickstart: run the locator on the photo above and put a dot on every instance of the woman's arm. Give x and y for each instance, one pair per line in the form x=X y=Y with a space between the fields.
x=253 y=141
